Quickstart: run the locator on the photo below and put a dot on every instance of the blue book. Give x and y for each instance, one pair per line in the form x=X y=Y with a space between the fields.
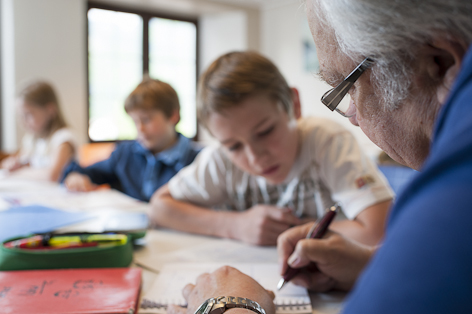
x=24 y=220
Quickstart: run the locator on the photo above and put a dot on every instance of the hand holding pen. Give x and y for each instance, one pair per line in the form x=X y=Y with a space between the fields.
x=333 y=262
x=317 y=231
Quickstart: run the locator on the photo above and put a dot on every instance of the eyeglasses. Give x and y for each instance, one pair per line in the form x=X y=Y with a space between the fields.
x=332 y=98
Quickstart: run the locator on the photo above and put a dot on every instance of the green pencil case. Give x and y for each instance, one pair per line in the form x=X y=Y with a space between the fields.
x=85 y=257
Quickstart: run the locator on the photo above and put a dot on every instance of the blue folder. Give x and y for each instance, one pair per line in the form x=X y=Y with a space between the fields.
x=24 y=220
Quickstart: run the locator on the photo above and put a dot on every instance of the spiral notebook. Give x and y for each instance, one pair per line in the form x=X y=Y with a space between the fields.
x=167 y=288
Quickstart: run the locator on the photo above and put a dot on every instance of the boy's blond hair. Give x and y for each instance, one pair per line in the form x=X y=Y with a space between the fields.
x=236 y=75
x=42 y=94
x=153 y=94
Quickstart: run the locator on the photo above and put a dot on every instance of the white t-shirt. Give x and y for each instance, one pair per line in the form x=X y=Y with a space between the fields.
x=38 y=152
x=330 y=167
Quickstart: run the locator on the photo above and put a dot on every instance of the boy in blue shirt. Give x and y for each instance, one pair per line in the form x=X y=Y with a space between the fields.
x=138 y=168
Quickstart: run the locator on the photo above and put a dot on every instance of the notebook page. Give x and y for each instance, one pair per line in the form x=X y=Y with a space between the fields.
x=190 y=248
x=167 y=289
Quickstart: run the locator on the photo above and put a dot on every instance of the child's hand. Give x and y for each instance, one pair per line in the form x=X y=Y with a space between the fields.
x=262 y=224
x=79 y=182
x=11 y=163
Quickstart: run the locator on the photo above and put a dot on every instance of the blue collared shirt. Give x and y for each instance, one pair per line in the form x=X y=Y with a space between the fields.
x=135 y=171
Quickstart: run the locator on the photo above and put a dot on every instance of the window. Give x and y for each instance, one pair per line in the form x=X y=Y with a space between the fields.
x=122 y=47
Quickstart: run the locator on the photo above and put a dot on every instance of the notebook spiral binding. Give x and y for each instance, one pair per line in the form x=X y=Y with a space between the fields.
x=148 y=304
x=281 y=308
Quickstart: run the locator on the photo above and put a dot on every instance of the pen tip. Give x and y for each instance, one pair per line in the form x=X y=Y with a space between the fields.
x=281 y=283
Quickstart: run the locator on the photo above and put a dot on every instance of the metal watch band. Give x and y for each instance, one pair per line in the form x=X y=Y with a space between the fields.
x=223 y=303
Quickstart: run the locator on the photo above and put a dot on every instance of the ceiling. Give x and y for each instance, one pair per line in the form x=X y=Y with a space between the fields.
x=258 y=3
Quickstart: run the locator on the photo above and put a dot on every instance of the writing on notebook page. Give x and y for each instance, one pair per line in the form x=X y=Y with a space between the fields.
x=167 y=289
x=38 y=288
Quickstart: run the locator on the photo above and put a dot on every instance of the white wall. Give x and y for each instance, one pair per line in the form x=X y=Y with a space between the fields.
x=282 y=29
x=221 y=33
x=49 y=43
x=8 y=131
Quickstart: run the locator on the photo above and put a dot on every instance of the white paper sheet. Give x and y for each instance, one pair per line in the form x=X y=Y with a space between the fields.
x=165 y=247
x=167 y=289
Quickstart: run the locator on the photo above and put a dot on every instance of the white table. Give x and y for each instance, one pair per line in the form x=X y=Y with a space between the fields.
x=159 y=246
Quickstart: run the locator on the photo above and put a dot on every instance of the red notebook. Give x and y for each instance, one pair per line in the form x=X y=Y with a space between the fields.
x=77 y=291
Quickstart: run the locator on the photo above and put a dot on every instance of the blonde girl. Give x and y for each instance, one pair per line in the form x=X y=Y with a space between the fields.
x=48 y=143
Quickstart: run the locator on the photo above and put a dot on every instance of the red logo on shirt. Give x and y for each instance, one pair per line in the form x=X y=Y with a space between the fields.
x=364 y=180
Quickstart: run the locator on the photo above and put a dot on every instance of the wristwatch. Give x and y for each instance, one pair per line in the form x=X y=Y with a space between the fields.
x=220 y=304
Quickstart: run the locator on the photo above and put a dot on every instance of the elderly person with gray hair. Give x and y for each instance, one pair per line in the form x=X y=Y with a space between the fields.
x=411 y=93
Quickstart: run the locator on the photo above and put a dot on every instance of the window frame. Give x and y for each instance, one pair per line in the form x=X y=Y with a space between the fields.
x=1 y=85
x=146 y=15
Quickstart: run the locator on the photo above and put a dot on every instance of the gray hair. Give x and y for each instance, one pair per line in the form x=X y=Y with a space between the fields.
x=390 y=31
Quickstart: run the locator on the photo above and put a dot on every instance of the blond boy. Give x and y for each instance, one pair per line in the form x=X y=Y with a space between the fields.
x=270 y=170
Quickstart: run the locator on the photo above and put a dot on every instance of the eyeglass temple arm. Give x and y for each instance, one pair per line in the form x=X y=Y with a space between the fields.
x=333 y=97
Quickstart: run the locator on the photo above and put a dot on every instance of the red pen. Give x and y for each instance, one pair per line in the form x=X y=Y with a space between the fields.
x=316 y=232
x=25 y=243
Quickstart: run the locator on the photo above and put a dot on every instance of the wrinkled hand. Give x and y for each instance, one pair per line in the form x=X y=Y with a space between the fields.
x=225 y=281
x=79 y=182
x=11 y=163
x=334 y=262
x=262 y=224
